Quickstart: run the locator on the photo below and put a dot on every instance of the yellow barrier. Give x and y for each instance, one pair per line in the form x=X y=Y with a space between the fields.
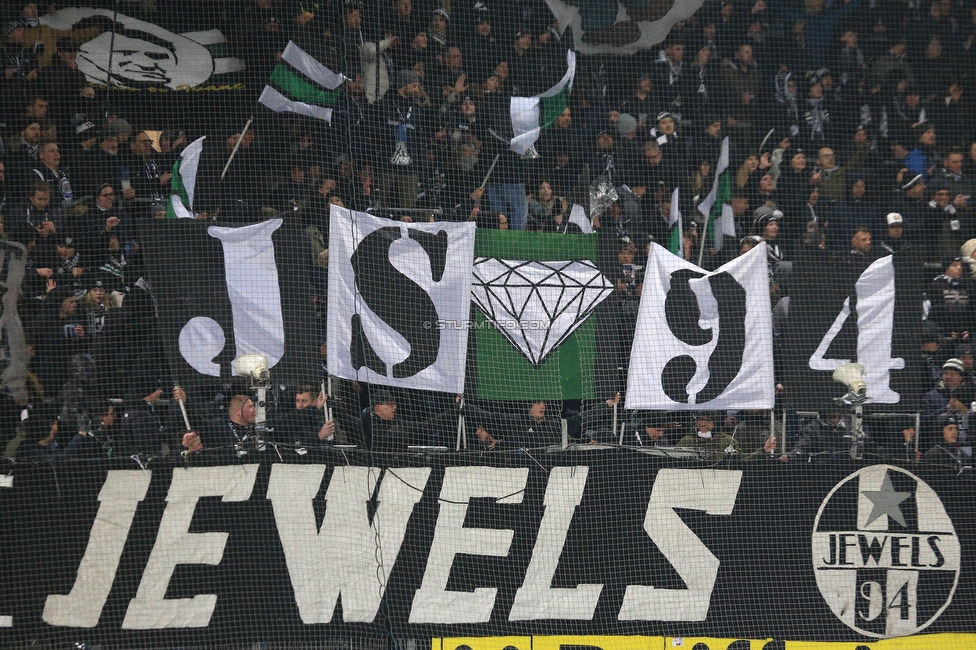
x=945 y=641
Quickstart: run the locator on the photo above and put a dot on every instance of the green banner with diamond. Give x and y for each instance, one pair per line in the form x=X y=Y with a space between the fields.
x=533 y=296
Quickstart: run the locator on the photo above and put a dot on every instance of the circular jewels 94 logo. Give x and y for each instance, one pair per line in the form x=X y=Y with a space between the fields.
x=885 y=553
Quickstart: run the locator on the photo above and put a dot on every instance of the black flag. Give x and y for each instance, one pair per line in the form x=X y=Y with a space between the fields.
x=839 y=312
x=227 y=290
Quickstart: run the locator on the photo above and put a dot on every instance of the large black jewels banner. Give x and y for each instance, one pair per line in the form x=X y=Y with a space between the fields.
x=610 y=542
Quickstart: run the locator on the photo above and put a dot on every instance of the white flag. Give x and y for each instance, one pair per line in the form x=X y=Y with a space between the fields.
x=526 y=112
x=578 y=216
x=705 y=207
x=187 y=175
x=675 y=216
x=703 y=339
x=724 y=225
x=399 y=300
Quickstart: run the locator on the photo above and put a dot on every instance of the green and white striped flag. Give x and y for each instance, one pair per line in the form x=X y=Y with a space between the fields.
x=532 y=114
x=677 y=226
x=183 y=184
x=715 y=207
x=300 y=84
x=724 y=224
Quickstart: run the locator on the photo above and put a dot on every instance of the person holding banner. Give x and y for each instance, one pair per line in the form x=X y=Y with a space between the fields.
x=529 y=429
x=385 y=431
x=551 y=212
x=952 y=449
x=305 y=424
x=237 y=432
x=827 y=437
x=711 y=442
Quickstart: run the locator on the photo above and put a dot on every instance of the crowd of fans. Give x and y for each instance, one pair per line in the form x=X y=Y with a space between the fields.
x=850 y=126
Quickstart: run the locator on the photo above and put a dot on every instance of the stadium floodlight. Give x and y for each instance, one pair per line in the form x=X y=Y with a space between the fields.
x=255 y=368
x=852 y=376
x=252 y=366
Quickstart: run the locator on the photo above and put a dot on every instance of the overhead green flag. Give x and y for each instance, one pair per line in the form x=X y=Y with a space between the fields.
x=534 y=295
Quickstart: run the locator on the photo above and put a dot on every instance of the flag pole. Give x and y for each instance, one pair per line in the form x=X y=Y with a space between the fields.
x=764 y=140
x=326 y=410
x=460 y=426
x=614 y=429
x=490 y=170
x=186 y=419
x=701 y=249
x=236 y=147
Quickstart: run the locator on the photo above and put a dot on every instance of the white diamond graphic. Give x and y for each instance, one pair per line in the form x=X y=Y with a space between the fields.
x=536 y=305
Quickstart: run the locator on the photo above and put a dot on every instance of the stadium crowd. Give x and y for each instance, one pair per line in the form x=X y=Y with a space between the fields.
x=851 y=131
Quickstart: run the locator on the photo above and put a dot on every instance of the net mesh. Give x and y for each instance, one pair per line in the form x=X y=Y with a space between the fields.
x=487 y=324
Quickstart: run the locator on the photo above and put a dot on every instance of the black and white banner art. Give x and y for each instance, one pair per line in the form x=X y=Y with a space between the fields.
x=138 y=55
x=229 y=291
x=514 y=294
x=704 y=339
x=601 y=542
x=399 y=299
x=840 y=313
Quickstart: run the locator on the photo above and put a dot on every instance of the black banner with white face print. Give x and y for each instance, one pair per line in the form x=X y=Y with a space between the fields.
x=399 y=301
x=603 y=542
x=704 y=339
x=137 y=55
x=840 y=313
x=226 y=291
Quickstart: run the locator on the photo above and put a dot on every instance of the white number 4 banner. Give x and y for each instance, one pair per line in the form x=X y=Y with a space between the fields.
x=875 y=290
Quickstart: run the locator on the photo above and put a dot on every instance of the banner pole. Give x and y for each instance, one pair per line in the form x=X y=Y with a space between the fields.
x=186 y=420
x=918 y=428
x=490 y=170
x=236 y=147
x=460 y=426
x=784 y=430
x=701 y=249
x=326 y=410
x=614 y=429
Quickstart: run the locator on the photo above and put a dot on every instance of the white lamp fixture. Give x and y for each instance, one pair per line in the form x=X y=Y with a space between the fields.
x=255 y=368
x=252 y=366
x=852 y=376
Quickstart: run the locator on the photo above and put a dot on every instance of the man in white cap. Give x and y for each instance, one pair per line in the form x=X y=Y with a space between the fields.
x=937 y=399
x=437 y=29
x=765 y=223
x=895 y=239
x=912 y=205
